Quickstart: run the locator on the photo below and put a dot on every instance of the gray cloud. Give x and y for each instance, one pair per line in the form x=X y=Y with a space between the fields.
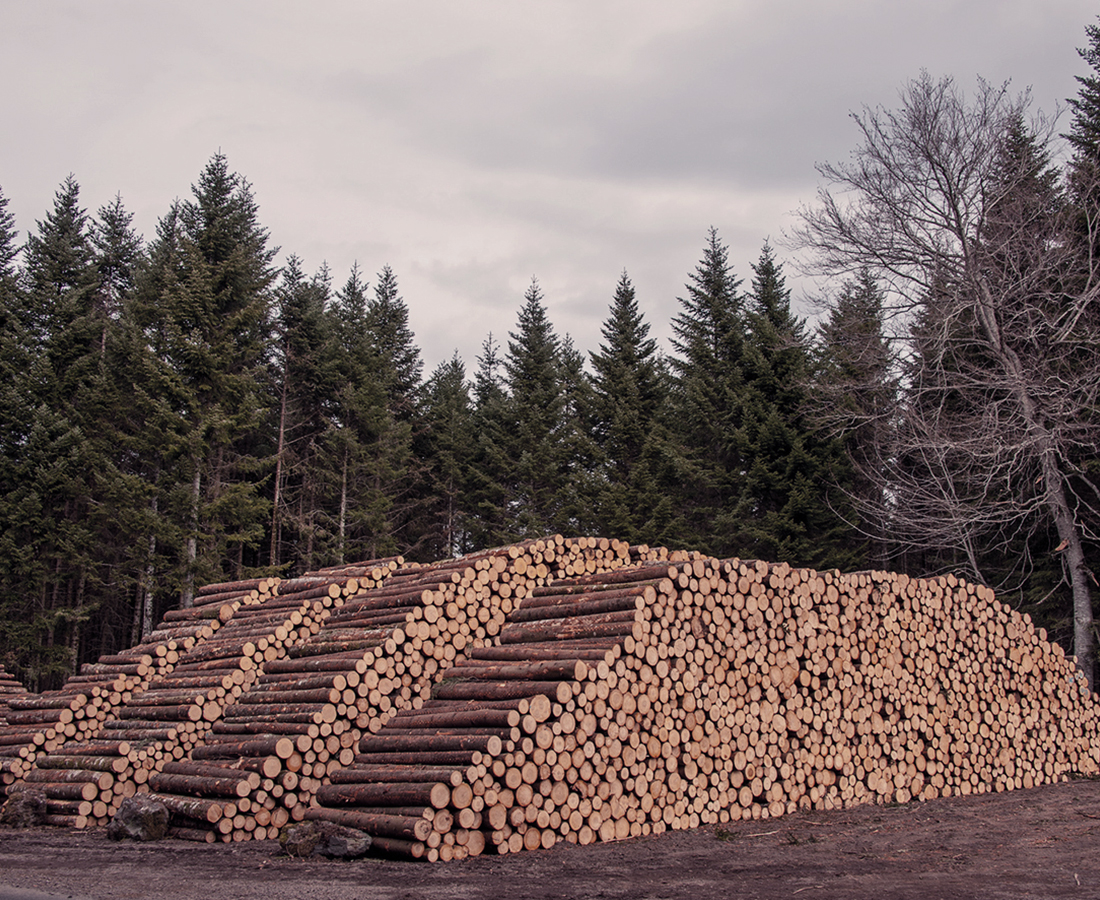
x=472 y=145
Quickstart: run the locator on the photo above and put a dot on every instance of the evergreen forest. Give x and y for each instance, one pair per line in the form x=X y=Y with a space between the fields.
x=179 y=409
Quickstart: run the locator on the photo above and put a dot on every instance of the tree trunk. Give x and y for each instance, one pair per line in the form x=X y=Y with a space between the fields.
x=274 y=555
x=188 y=596
x=343 y=506
x=1054 y=487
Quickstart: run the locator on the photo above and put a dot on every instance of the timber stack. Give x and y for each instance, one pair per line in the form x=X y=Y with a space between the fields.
x=39 y=724
x=442 y=780
x=583 y=690
x=148 y=702
x=11 y=688
x=378 y=653
x=262 y=749
x=733 y=689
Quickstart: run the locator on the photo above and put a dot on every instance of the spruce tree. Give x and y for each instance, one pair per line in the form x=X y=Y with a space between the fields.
x=305 y=379
x=702 y=469
x=579 y=447
x=118 y=254
x=450 y=451
x=69 y=490
x=15 y=354
x=630 y=391
x=535 y=444
x=127 y=401
x=855 y=400
x=367 y=448
x=207 y=308
x=487 y=476
x=1084 y=133
x=400 y=375
x=395 y=344
x=20 y=503
x=783 y=510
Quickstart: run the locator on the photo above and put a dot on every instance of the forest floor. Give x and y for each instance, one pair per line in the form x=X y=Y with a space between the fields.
x=1042 y=843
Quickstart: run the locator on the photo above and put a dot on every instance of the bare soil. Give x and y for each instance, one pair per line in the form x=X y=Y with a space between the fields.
x=1042 y=843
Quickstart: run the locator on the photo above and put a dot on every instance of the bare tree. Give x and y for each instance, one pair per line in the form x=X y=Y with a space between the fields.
x=952 y=205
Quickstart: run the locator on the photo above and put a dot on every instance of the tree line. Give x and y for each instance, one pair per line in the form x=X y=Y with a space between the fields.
x=182 y=410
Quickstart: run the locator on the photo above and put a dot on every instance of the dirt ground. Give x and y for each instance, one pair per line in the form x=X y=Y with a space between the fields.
x=1043 y=843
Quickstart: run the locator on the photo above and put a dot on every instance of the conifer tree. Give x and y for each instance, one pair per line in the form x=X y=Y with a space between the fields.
x=367 y=447
x=395 y=345
x=400 y=374
x=782 y=510
x=487 y=475
x=1084 y=133
x=579 y=448
x=207 y=307
x=129 y=404
x=535 y=443
x=14 y=353
x=704 y=471
x=855 y=400
x=118 y=254
x=72 y=497
x=630 y=391
x=305 y=382
x=450 y=449
x=20 y=503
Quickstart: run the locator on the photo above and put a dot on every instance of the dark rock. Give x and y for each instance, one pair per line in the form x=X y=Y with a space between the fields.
x=300 y=840
x=140 y=818
x=320 y=838
x=24 y=808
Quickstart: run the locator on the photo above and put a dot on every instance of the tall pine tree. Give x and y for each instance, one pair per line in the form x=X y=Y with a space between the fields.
x=487 y=476
x=536 y=445
x=703 y=470
x=630 y=392
x=305 y=379
x=449 y=452
x=207 y=308
x=782 y=510
x=855 y=398
x=400 y=375
x=367 y=448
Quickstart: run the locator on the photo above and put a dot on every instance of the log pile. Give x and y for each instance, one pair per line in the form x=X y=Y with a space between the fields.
x=262 y=749
x=729 y=690
x=378 y=653
x=127 y=708
x=585 y=691
x=11 y=688
x=445 y=780
x=37 y=725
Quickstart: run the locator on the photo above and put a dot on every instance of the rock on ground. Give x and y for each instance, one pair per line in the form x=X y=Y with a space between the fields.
x=140 y=818
x=324 y=839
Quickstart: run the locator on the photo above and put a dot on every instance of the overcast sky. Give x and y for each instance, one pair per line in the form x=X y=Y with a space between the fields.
x=473 y=145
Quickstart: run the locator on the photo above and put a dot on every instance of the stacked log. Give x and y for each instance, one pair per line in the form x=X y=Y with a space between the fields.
x=11 y=688
x=731 y=690
x=149 y=722
x=38 y=725
x=376 y=654
x=417 y=784
x=262 y=746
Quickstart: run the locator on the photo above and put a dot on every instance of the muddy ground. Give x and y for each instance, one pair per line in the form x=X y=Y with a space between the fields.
x=1043 y=843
